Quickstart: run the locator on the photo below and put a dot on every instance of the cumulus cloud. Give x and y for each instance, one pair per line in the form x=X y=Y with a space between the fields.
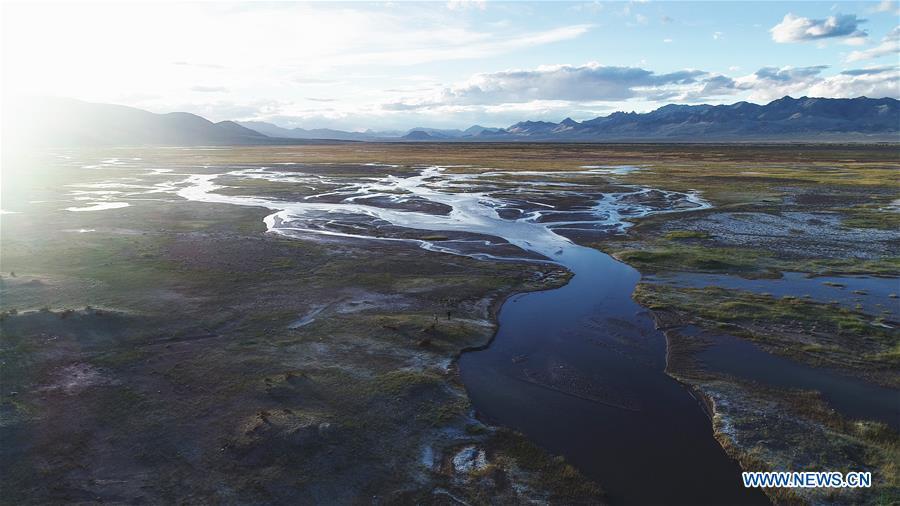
x=889 y=45
x=581 y=83
x=770 y=83
x=592 y=84
x=874 y=83
x=795 y=28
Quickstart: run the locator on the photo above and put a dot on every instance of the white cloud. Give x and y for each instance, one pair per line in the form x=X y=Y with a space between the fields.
x=889 y=45
x=581 y=83
x=799 y=29
x=590 y=7
x=592 y=84
x=872 y=82
x=209 y=89
x=456 y=5
x=855 y=41
x=717 y=35
x=885 y=6
x=480 y=46
x=771 y=83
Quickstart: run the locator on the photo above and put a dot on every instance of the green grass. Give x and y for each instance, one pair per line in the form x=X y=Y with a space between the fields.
x=871 y=216
x=680 y=257
x=812 y=332
x=685 y=234
x=563 y=480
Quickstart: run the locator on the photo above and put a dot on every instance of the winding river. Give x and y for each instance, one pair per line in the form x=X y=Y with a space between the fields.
x=578 y=369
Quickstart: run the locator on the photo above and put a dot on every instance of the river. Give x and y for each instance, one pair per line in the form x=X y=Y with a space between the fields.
x=577 y=369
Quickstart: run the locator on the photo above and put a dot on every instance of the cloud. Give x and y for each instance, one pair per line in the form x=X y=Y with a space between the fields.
x=789 y=74
x=457 y=45
x=593 y=84
x=885 y=6
x=591 y=7
x=799 y=29
x=313 y=80
x=869 y=71
x=869 y=83
x=770 y=83
x=199 y=65
x=457 y=5
x=889 y=45
x=717 y=35
x=581 y=91
x=209 y=89
x=591 y=81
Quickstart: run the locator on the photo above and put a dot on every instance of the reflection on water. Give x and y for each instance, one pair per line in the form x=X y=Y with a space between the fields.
x=579 y=370
x=852 y=397
x=872 y=294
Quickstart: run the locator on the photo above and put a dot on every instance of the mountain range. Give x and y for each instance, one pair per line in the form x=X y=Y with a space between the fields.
x=68 y=122
x=72 y=122
x=783 y=119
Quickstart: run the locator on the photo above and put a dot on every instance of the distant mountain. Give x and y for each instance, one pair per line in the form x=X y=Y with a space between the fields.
x=478 y=129
x=273 y=130
x=72 y=122
x=67 y=122
x=421 y=135
x=783 y=119
x=436 y=132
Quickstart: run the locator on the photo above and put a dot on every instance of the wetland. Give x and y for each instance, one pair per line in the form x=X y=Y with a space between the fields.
x=529 y=323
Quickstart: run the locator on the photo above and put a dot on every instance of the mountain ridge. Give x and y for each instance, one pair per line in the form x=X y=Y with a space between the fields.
x=804 y=119
x=784 y=119
x=70 y=122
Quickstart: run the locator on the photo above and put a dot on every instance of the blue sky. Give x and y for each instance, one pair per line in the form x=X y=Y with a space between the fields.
x=395 y=65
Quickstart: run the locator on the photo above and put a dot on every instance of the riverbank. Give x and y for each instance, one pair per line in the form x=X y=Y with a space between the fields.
x=315 y=360
x=766 y=316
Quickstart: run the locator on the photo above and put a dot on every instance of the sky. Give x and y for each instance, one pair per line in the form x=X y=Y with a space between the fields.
x=398 y=65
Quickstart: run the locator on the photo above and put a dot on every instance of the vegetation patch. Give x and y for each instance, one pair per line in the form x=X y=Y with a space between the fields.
x=811 y=332
x=686 y=234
